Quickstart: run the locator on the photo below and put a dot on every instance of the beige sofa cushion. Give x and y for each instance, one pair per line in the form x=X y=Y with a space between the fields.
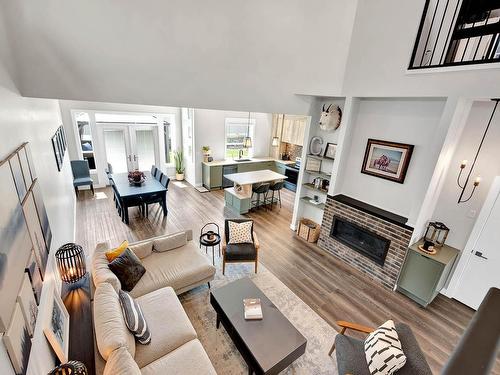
x=121 y=362
x=110 y=329
x=176 y=268
x=169 y=325
x=189 y=359
x=100 y=270
x=170 y=242
x=142 y=249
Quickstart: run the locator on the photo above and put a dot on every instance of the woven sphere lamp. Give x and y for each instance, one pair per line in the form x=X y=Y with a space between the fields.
x=70 y=368
x=70 y=260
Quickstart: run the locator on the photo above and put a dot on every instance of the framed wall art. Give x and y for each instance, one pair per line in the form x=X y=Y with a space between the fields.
x=56 y=326
x=18 y=342
x=330 y=151
x=388 y=160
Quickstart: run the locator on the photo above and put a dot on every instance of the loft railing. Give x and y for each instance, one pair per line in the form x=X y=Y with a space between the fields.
x=457 y=32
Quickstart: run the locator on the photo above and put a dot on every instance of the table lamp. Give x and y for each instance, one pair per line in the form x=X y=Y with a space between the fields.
x=70 y=260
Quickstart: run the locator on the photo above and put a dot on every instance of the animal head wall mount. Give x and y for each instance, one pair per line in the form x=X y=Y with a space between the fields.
x=330 y=117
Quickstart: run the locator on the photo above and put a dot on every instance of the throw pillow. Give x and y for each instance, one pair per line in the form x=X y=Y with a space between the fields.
x=128 y=268
x=134 y=318
x=112 y=254
x=240 y=232
x=170 y=242
x=383 y=351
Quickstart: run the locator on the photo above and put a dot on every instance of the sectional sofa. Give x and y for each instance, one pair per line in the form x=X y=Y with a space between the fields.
x=174 y=265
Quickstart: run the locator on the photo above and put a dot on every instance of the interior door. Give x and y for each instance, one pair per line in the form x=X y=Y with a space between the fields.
x=144 y=147
x=118 y=148
x=482 y=269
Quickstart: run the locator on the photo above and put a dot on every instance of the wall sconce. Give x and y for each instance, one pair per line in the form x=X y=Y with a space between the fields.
x=70 y=260
x=463 y=164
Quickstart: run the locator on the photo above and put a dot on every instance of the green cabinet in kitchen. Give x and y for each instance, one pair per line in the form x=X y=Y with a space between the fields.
x=423 y=275
x=246 y=167
x=280 y=168
x=212 y=176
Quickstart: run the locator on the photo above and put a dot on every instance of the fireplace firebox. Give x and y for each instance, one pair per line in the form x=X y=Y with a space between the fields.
x=365 y=242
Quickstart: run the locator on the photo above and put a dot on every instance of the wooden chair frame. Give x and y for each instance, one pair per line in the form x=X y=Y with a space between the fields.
x=224 y=261
x=344 y=326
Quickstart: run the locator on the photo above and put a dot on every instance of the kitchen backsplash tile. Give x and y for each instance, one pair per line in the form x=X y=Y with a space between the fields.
x=295 y=151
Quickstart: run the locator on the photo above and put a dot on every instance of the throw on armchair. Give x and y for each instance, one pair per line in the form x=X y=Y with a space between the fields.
x=239 y=252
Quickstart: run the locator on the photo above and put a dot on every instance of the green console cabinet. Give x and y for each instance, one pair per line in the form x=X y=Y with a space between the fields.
x=423 y=275
x=212 y=176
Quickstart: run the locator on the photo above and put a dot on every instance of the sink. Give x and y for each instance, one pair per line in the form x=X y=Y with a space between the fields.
x=242 y=159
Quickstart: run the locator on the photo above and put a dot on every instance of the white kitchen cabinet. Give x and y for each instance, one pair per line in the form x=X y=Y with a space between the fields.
x=293 y=130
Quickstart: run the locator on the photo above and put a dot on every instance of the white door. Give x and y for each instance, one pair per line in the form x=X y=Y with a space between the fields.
x=482 y=268
x=117 y=148
x=144 y=141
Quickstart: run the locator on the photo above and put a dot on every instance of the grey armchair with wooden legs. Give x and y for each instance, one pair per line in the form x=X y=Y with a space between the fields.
x=240 y=252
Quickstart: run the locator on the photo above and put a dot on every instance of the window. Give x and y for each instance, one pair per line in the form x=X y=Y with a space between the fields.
x=86 y=145
x=236 y=131
x=167 y=135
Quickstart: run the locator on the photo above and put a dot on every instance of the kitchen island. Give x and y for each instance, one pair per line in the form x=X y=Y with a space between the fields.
x=239 y=197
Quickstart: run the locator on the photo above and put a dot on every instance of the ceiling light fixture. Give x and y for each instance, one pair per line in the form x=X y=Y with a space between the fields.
x=463 y=164
x=247 y=143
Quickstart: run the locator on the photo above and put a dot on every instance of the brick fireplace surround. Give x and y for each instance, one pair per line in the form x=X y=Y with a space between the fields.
x=383 y=223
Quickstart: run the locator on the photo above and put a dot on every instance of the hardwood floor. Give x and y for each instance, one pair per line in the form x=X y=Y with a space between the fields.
x=331 y=288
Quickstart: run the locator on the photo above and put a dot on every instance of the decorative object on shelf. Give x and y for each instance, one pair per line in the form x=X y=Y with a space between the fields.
x=313 y=164
x=431 y=250
x=59 y=146
x=247 y=142
x=330 y=151
x=325 y=184
x=330 y=117
x=206 y=153
x=17 y=341
x=27 y=302
x=436 y=233
x=388 y=160
x=136 y=177
x=70 y=368
x=70 y=260
x=56 y=326
x=179 y=165
x=477 y=180
x=316 y=146
x=309 y=230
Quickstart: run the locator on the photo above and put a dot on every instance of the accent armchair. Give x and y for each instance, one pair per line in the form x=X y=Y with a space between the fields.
x=240 y=252
x=81 y=175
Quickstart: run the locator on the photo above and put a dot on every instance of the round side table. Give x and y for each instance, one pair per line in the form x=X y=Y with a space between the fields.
x=210 y=238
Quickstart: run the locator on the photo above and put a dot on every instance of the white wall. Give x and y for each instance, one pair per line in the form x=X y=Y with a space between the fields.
x=381 y=45
x=458 y=217
x=225 y=54
x=410 y=121
x=35 y=121
x=210 y=131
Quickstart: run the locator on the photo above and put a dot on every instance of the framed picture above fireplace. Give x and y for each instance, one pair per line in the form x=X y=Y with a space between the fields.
x=388 y=160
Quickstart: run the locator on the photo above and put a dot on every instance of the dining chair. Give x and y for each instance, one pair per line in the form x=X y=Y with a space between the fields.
x=154 y=171
x=165 y=180
x=118 y=201
x=81 y=175
x=159 y=175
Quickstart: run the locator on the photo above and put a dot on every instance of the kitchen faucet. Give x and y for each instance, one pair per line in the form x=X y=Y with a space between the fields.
x=240 y=153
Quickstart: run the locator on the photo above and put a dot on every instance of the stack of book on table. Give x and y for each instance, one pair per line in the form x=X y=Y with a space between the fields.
x=253 y=308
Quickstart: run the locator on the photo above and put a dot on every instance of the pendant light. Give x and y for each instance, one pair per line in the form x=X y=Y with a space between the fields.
x=276 y=140
x=463 y=164
x=247 y=143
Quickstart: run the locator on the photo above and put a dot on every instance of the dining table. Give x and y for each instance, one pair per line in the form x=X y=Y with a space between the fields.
x=130 y=192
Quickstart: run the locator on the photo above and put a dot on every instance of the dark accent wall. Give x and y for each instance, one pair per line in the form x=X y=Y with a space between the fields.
x=398 y=235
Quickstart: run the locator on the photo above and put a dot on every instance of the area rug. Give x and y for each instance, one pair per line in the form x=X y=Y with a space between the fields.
x=225 y=357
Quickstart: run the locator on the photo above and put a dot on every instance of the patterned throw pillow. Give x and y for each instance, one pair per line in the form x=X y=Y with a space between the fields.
x=240 y=232
x=134 y=318
x=383 y=351
x=128 y=268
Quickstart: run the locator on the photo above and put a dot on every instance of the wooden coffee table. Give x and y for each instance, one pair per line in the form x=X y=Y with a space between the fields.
x=269 y=345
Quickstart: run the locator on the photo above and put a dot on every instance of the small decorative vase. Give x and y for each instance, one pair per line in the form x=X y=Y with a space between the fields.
x=210 y=235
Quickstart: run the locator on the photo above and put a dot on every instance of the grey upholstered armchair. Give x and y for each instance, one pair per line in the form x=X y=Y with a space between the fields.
x=240 y=252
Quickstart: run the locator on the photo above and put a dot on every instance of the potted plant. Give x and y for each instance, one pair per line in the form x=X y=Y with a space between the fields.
x=179 y=165
x=206 y=152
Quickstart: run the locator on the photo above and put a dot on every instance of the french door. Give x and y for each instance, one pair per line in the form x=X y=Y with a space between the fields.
x=130 y=147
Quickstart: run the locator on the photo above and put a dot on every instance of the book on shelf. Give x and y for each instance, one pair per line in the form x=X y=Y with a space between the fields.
x=253 y=308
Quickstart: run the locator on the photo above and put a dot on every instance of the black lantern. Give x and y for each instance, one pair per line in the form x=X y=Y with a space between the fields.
x=71 y=262
x=436 y=233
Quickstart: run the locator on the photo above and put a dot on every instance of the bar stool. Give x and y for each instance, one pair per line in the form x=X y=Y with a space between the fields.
x=277 y=186
x=261 y=189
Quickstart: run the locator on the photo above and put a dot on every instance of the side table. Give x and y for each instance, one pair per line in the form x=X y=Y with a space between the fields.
x=210 y=238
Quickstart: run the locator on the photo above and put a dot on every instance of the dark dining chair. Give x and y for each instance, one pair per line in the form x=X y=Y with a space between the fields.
x=165 y=180
x=118 y=201
x=260 y=190
x=81 y=175
x=239 y=252
x=154 y=171
x=159 y=175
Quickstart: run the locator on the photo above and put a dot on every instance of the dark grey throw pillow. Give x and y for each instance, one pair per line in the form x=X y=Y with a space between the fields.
x=128 y=268
x=134 y=318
